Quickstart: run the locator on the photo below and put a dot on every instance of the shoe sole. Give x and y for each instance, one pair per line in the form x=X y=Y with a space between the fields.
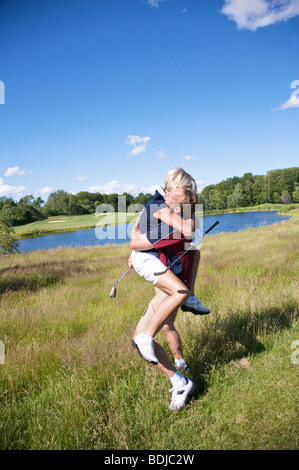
x=194 y=311
x=141 y=355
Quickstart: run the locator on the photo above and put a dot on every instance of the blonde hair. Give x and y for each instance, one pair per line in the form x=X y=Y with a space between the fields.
x=179 y=178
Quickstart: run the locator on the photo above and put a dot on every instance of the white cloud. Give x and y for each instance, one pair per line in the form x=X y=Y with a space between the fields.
x=160 y=154
x=44 y=191
x=189 y=157
x=288 y=104
x=253 y=14
x=120 y=188
x=153 y=3
x=150 y=189
x=14 y=170
x=83 y=178
x=9 y=190
x=200 y=185
x=138 y=143
x=115 y=187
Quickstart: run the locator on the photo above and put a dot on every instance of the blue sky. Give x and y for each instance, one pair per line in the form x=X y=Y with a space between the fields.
x=108 y=95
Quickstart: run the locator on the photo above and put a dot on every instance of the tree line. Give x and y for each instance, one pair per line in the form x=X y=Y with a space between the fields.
x=277 y=186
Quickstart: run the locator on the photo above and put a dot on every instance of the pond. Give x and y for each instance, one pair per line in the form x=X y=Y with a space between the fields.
x=119 y=234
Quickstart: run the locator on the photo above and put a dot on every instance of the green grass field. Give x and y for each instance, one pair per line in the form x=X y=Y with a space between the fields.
x=71 y=379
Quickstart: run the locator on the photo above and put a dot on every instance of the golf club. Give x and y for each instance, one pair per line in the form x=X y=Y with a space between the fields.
x=113 y=290
x=191 y=246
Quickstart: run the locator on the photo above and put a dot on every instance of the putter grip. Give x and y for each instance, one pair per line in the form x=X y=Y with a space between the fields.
x=212 y=226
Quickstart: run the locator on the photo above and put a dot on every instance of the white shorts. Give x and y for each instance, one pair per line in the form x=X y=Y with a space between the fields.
x=146 y=264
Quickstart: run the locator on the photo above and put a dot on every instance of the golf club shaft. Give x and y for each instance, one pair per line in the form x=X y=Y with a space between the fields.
x=191 y=246
x=122 y=275
x=211 y=228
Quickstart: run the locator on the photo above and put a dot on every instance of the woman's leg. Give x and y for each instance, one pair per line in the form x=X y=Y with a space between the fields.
x=178 y=294
x=164 y=364
x=196 y=259
x=173 y=340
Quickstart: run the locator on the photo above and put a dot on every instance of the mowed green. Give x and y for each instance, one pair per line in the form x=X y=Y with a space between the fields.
x=67 y=223
x=71 y=379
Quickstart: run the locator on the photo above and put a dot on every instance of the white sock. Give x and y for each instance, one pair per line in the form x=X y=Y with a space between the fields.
x=180 y=364
x=178 y=380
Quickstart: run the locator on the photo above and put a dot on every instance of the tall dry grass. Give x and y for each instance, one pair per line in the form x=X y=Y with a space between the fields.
x=71 y=379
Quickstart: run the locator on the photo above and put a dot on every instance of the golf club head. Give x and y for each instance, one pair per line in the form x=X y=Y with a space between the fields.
x=113 y=292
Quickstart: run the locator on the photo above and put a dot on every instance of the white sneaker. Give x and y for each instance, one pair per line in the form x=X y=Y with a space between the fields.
x=145 y=346
x=193 y=305
x=181 y=395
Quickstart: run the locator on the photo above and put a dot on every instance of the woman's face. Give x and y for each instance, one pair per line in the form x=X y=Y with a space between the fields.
x=174 y=197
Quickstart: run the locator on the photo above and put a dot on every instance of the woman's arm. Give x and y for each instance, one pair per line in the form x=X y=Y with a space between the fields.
x=184 y=226
x=138 y=241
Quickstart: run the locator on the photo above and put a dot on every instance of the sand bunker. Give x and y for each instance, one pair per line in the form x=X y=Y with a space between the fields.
x=56 y=221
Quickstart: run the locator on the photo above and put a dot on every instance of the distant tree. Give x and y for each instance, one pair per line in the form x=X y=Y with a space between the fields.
x=258 y=190
x=247 y=196
x=289 y=178
x=248 y=177
x=143 y=198
x=25 y=211
x=74 y=208
x=216 y=200
x=122 y=203
x=63 y=203
x=96 y=204
x=129 y=199
x=286 y=197
x=112 y=199
x=295 y=194
x=29 y=209
x=237 y=195
x=203 y=201
x=8 y=241
x=272 y=184
x=276 y=197
x=57 y=203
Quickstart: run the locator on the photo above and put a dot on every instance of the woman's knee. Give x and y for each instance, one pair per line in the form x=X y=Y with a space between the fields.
x=182 y=295
x=167 y=328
